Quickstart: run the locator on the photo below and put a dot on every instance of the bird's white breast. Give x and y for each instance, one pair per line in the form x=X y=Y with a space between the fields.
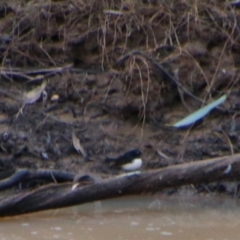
x=132 y=166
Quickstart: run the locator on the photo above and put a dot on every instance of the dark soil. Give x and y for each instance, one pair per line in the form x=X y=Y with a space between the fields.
x=115 y=103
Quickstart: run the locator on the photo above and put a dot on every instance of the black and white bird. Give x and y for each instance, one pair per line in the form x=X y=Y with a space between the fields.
x=129 y=161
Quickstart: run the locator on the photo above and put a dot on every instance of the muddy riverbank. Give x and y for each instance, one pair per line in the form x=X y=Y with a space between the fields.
x=114 y=98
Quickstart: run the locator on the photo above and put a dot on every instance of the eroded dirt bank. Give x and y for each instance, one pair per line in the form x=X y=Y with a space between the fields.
x=98 y=60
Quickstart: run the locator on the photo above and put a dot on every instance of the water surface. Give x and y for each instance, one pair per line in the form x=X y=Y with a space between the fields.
x=149 y=217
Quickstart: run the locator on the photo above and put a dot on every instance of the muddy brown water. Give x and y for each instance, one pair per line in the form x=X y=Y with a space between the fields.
x=151 y=217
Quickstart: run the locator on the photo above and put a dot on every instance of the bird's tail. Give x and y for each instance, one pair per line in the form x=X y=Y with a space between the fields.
x=109 y=160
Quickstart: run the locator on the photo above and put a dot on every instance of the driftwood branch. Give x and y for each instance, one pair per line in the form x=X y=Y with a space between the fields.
x=61 y=195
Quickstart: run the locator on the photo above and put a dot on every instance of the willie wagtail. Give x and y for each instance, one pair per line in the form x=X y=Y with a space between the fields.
x=129 y=161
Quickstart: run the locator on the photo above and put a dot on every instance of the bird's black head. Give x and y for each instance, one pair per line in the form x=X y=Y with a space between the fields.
x=135 y=153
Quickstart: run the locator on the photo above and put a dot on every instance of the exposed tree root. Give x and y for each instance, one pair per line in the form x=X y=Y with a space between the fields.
x=41 y=174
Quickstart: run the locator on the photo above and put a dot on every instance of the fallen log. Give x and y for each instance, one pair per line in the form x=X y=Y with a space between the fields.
x=61 y=195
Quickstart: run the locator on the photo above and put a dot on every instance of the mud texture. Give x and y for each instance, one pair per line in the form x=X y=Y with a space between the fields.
x=101 y=85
